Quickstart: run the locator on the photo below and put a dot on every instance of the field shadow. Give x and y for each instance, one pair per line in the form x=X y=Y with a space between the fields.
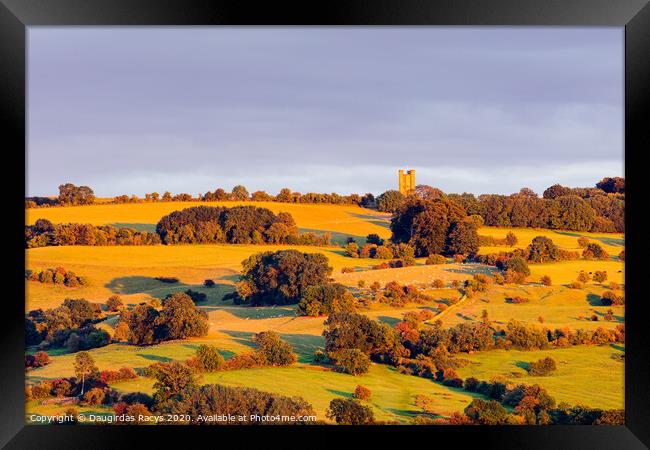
x=464 y=317
x=389 y=320
x=155 y=288
x=340 y=393
x=614 y=242
x=142 y=227
x=618 y=347
x=594 y=300
x=156 y=358
x=372 y=219
x=227 y=354
x=522 y=365
x=472 y=269
x=304 y=345
x=257 y=312
x=241 y=337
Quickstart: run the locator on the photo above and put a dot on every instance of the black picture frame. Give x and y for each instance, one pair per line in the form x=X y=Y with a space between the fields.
x=634 y=15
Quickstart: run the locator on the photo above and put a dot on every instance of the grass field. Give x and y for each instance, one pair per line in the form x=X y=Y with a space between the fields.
x=340 y=220
x=588 y=375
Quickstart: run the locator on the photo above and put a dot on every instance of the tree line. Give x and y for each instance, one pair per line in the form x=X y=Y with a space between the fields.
x=44 y=233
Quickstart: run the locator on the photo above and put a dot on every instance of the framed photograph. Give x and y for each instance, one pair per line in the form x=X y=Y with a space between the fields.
x=397 y=220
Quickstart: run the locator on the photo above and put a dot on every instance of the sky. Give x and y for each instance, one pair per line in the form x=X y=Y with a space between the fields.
x=482 y=110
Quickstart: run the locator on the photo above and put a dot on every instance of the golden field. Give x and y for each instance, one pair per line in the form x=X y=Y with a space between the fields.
x=130 y=271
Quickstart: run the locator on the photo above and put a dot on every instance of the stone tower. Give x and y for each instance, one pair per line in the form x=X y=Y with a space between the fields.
x=407 y=182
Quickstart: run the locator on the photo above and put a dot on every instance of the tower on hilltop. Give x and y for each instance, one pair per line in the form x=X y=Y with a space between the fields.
x=407 y=182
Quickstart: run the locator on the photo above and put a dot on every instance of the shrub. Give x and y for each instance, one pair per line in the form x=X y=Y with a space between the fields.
x=516 y=264
x=435 y=259
x=349 y=412
x=438 y=283
x=546 y=280
x=600 y=276
x=347 y=270
x=594 y=251
x=583 y=242
x=209 y=358
x=94 y=396
x=361 y=284
x=621 y=255
x=362 y=393
x=583 y=277
x=511 y=240
x=576 y=285
x=209 y=283
x=518 y=300
x=542 y=249
x=352 y=361
x=542 y=367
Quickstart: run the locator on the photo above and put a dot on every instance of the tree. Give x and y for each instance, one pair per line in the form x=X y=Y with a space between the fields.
x=516 y=264
x=594 y=251
x=143 y=325
x=171 y=379
x=425 y=224
x=463 y=238
x=484 y=412
x=181 y=319
x=84 y=367
x=281 y=277
x=542 y=367
x=350 y=412
x=389 y=201
x=542 y=249
x=326 y=298
x=276 y=352
x=511 y=239
x=362 y=393
x=209 y=358
x=352 y=361
x=612 y=185
x=240 y=193
x=69 y=194
x=374 y=239
x=114 y=303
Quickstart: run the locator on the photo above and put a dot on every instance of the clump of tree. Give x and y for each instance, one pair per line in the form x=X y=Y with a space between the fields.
x=38 y=359
x=325 y=299
x=578 y=209
x=43 y=233
x=610 y=298
x=595 y=251
x=216 y=400
x=281 y=277
x=434 y=227
x=69 y=194
x=71 y=325
x=542 y=367
x=236 y=225
x=390 y=201
x=179 y=318
x=275 y=351
x=350 y=412
x=58 y=275
x=362 y=393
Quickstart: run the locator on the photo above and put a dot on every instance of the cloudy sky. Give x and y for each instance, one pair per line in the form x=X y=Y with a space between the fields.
x=135 y=110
